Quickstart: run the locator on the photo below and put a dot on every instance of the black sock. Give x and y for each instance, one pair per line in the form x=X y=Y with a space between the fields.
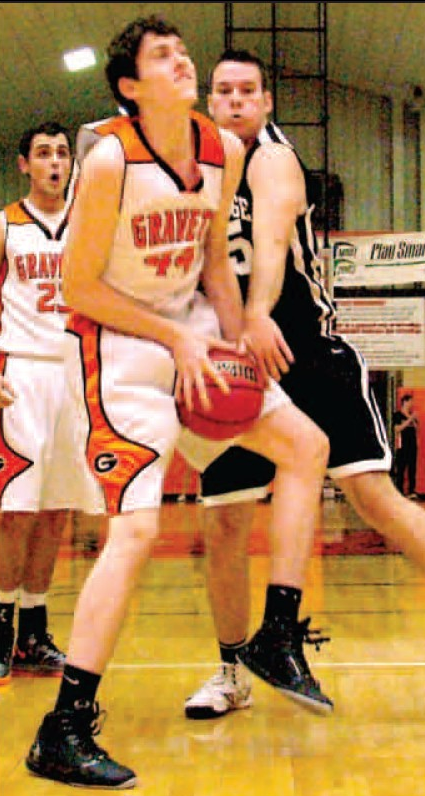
x=228 y=652
x=32 y=622
x=77 y=685
x=282 y=602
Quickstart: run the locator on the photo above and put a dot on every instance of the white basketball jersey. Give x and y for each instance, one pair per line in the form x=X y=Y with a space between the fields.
x=157 y=253
x=32 y=310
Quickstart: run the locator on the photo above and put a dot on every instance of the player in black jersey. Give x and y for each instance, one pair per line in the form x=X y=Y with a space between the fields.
x=273 y=248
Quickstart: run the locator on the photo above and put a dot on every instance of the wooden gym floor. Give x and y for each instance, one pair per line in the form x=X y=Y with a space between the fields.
x=370 y=599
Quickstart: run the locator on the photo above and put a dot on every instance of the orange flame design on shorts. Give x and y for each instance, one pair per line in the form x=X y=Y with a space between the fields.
x=114 y=460
x=11 y=463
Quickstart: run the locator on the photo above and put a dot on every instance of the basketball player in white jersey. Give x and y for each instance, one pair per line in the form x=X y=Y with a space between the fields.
x=149 y=220
x=272 y=246
x=32 y=236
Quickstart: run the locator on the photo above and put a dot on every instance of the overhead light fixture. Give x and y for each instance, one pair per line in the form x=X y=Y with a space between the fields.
x=82 y=58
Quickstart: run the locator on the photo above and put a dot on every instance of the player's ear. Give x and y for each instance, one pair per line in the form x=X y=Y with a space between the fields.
x=268 y=102
x=127 y=87
x=23 y=164
x=210 y=106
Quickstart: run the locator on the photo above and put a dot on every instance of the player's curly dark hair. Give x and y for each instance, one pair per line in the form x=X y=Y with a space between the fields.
x=122 y=53
x=48 y=128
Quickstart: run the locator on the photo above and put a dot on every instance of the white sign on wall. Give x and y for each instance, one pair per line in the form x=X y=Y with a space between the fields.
x=389 y=332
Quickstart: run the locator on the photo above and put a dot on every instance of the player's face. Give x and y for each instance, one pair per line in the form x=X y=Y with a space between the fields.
x=48 y=164
x=167 y=75
x=237 y=101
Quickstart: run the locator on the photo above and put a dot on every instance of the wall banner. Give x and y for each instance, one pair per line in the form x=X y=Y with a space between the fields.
x=378 y=260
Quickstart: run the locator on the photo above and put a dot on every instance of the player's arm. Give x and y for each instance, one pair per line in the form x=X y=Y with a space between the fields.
x=279 y=197
x=218 y=277
x=2 y=236
x=7 y=393
x=411 y=420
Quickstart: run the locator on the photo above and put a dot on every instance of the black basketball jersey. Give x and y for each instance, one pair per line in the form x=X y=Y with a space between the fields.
x=304 y=311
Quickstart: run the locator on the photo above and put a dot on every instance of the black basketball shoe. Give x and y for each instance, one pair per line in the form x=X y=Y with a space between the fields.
x=38 y=656
x=275 y=653
x=64 y=750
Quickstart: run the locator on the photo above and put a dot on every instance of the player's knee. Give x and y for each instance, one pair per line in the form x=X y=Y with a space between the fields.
x=322 y=446
x=312 y=446
x=134 y=532
x=227 y=523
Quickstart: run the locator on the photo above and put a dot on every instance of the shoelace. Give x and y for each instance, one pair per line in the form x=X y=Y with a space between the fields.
x=298 y=632
x=85 y=731
x=227 y=671
x=306 y=635
x=312 y=635
x=291 y=636
x=217 y=680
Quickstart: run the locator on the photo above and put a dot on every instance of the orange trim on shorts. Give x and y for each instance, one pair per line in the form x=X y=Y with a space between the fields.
x=114 y=460
x=11 y=463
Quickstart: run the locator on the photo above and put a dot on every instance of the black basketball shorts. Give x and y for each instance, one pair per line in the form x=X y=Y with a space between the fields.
x=331 y=385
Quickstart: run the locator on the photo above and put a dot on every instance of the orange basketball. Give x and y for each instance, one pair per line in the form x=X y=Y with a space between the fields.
x=231 y=414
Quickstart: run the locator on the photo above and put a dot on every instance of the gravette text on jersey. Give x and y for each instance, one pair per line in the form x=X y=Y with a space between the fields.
x=170 y=226
x=38 y=265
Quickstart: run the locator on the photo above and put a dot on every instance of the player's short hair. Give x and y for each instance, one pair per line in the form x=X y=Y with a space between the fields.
x=50 y=128
x=242 y=57
x=122 y=53
x=406 y=397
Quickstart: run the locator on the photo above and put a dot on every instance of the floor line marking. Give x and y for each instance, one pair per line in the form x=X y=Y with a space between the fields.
x=329 y=665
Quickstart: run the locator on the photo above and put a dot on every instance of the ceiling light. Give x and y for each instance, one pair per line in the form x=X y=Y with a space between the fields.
x=79 y=59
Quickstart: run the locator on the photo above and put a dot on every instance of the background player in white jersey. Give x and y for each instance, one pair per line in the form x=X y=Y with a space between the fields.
x=32 y=236
x=273 y=250
x=149 y=220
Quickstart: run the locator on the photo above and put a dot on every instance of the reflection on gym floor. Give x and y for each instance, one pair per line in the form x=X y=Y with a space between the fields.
x=369 y=598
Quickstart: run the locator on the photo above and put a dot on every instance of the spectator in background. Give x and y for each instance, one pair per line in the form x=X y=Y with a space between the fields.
x=406 y=445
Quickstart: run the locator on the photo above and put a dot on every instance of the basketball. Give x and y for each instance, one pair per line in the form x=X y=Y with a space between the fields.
x=231 y=414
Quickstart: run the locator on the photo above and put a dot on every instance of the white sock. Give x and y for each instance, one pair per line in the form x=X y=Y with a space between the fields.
x=31 y=600
x=9 y=597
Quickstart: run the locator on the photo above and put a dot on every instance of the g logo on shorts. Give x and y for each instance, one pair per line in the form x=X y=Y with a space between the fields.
x=105 y=462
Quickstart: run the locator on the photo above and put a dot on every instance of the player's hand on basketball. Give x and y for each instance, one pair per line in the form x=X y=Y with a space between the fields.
x=263 y=338
x=192 y=365
x=7 y=393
